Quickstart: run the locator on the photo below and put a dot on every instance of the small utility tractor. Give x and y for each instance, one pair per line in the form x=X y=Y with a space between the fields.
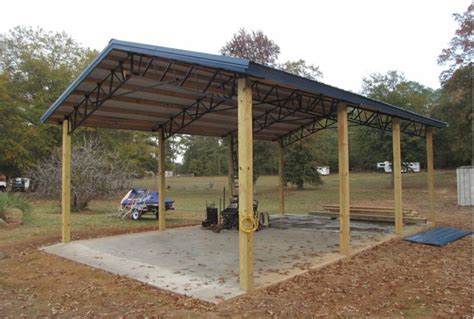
x=229 y=217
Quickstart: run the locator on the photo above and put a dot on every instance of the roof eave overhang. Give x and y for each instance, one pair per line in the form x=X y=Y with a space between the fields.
x=243 y=67
x=315 y=87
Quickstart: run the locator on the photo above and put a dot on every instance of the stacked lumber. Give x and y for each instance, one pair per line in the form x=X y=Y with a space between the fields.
x=369 y=213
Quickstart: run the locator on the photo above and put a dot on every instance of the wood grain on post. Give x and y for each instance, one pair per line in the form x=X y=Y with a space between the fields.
x=162 y=181
x=230 y=167
x=430 y=172
x=281 y=174
x=66 y=184
x=397 y=176
x=343 y=144
x=245 y=182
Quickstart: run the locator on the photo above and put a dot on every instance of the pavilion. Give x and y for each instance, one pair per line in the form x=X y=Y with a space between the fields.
x=167 y=91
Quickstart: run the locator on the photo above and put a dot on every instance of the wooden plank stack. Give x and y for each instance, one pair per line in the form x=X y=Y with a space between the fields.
x=368 y=213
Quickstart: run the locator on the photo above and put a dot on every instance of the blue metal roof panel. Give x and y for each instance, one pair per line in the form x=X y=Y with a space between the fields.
x=439 y=236
x=321 y=88
x=210 y=60
x=206 y=59
x=243 y=67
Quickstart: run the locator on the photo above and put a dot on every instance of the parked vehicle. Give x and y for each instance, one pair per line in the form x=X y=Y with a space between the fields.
x=20 y=184
x=323 y=170
x=407 y=167
x=3 y=183
x=381 y=165
x=139 y=201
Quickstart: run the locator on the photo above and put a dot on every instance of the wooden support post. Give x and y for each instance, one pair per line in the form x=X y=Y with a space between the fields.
x=66 y=184
x=430 y=172
x=245 y=184
x=344 y=217
x=281 y=174
x=155 y=180
x=230 y=167
x=162 y=181
x=397 y=176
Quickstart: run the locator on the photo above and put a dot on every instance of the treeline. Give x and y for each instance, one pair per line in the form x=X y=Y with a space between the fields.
x=36 y=66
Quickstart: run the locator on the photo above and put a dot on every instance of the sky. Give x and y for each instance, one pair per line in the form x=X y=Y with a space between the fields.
x=348 y=40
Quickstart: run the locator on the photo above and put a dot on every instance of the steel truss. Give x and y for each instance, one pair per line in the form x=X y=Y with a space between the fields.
x=361 y=117
x=284 y=105
x=103 y=91
x=356 y=116
x=306 y=130
x=212 y=92
x=209 y=94
x=321 y=110
x=206 y=104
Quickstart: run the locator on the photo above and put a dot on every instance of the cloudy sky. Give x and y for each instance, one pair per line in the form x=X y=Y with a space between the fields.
x=346 y=39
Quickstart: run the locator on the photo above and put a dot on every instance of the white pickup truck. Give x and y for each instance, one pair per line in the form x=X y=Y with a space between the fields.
x=19 y=184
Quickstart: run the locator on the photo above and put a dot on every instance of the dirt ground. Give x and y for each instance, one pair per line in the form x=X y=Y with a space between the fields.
x=396 y=279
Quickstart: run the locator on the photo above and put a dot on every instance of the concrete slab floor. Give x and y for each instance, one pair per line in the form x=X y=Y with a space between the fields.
x=205 y=265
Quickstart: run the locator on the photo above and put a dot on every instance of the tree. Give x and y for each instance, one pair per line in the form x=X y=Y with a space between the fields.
x=461 y=49
x=254 y=46
x=368 y=145
x=203 y=156
x=454 y=144
x=302 y=69
x=35 y=67
x=257 y=47
x=95 y=172
x=301 y=165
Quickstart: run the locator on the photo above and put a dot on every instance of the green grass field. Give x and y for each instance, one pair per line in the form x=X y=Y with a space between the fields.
x=191 y=193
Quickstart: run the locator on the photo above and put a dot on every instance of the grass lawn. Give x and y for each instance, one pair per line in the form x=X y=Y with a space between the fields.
x=191 y=193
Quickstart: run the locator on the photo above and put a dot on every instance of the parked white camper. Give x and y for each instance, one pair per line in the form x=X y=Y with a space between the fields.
x=414 y=167
x=407 y=167
x=381 y=166
x=323 y=170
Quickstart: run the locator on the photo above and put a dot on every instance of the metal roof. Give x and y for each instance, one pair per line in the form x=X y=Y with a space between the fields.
x=439 y=236
x=144 y=87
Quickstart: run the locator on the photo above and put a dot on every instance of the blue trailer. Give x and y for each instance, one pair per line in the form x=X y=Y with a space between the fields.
x=140 y=201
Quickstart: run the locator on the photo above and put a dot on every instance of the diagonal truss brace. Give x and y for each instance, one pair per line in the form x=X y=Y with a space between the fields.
x=361 y=117
x=192 y=113
x=133 y=64
x=316 y=125
x=103 y=91
x=208 y=103
x=296 y=102
x=357 y=116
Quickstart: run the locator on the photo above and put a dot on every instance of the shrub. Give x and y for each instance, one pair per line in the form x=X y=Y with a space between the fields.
x=95 y=172
x=12 y=200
